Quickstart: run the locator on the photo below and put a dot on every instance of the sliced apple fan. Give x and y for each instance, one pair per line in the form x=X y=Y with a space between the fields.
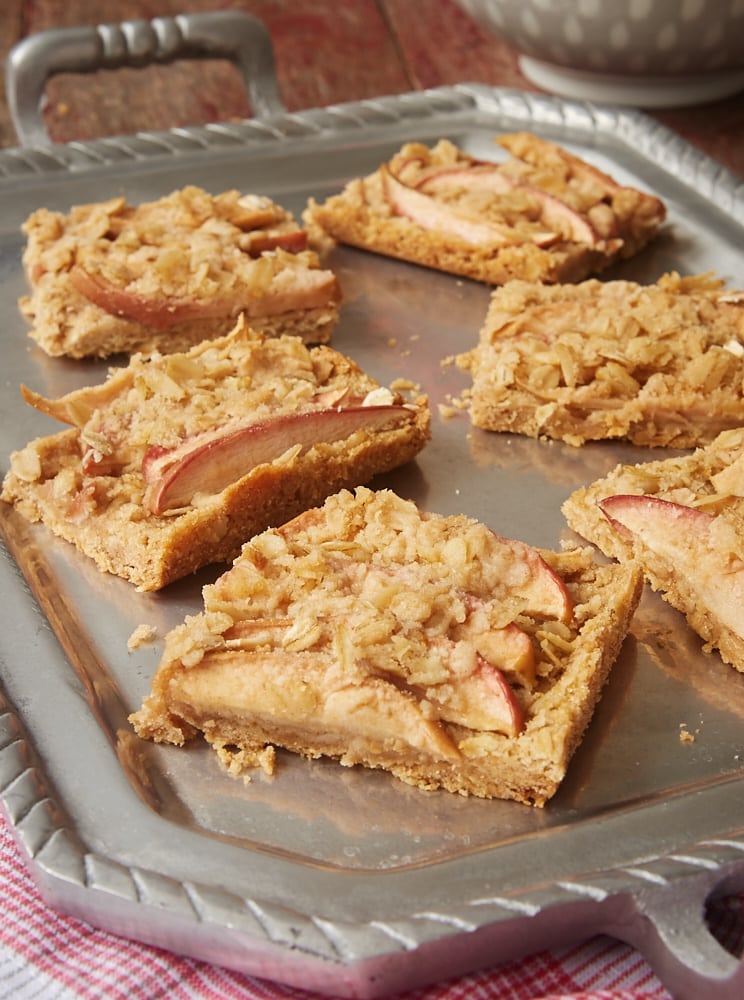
x=683 y=520
x=542 y=214
x=174 y=461
x=428 y=646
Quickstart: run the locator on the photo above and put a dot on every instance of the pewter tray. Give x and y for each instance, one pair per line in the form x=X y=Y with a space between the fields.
x=344 y=880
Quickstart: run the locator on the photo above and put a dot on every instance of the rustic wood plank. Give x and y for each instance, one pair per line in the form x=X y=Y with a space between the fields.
x=441 y=44
x=11 y=30
x=326 y=51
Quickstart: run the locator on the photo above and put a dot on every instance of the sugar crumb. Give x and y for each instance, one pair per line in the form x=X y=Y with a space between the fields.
x=447 y=412
x=141 y=636
x=405 y=385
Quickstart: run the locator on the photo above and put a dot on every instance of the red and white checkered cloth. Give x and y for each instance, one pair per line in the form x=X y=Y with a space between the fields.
x=45 y=955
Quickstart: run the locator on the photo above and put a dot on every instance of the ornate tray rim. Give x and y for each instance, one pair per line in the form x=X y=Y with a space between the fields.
x=371 y=958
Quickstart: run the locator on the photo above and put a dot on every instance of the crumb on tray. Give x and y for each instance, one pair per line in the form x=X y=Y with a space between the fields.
x=141 y=636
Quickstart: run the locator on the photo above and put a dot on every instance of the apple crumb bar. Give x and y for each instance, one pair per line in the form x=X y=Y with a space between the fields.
x=682 y=519
x=422 y=644
x=542 y=214
x=659 y=364
x=111 y=277
x=175 y=460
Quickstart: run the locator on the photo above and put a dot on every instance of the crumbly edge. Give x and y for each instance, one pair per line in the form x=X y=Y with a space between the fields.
x=99 y=334
x=685 y=480
x=66 y=324
x=661 y=365
x=105 y=519
x=528 y=768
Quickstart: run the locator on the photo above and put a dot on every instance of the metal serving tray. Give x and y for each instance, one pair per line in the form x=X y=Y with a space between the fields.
x=347 y=881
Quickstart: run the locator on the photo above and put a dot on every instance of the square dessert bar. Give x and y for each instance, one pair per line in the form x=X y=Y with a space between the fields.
x=543 y=214
x=421 y=644
x=110 y=277
x=175 y=460
x=659 y=364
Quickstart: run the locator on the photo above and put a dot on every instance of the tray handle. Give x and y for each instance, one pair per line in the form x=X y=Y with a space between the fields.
x=235 y=35
x=670 y=929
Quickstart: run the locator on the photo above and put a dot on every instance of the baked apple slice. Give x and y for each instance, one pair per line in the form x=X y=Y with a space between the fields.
x=532 y=583
x=209 y=462
x=440 y=217
x=511 y=650
x=674 y=540
x=554 y=212
x=482 y=699
x=300 y=288
x=266 y=685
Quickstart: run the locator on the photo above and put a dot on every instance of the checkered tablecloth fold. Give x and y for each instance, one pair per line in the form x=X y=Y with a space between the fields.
x=45 y=955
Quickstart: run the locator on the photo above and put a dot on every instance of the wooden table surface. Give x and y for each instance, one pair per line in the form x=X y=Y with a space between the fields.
x=326 y=51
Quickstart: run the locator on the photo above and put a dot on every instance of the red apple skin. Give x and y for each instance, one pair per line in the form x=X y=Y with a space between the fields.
x=210 y=462
x=435 y=215
x=478 y=177
x=544 y=593
x=636 y=513
x=501 y=693
x=680 y=539
x=482 y=700
x=486 y=688
x=554 y=212
x=558 y=214
x=160 y=314
x=314 y=288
